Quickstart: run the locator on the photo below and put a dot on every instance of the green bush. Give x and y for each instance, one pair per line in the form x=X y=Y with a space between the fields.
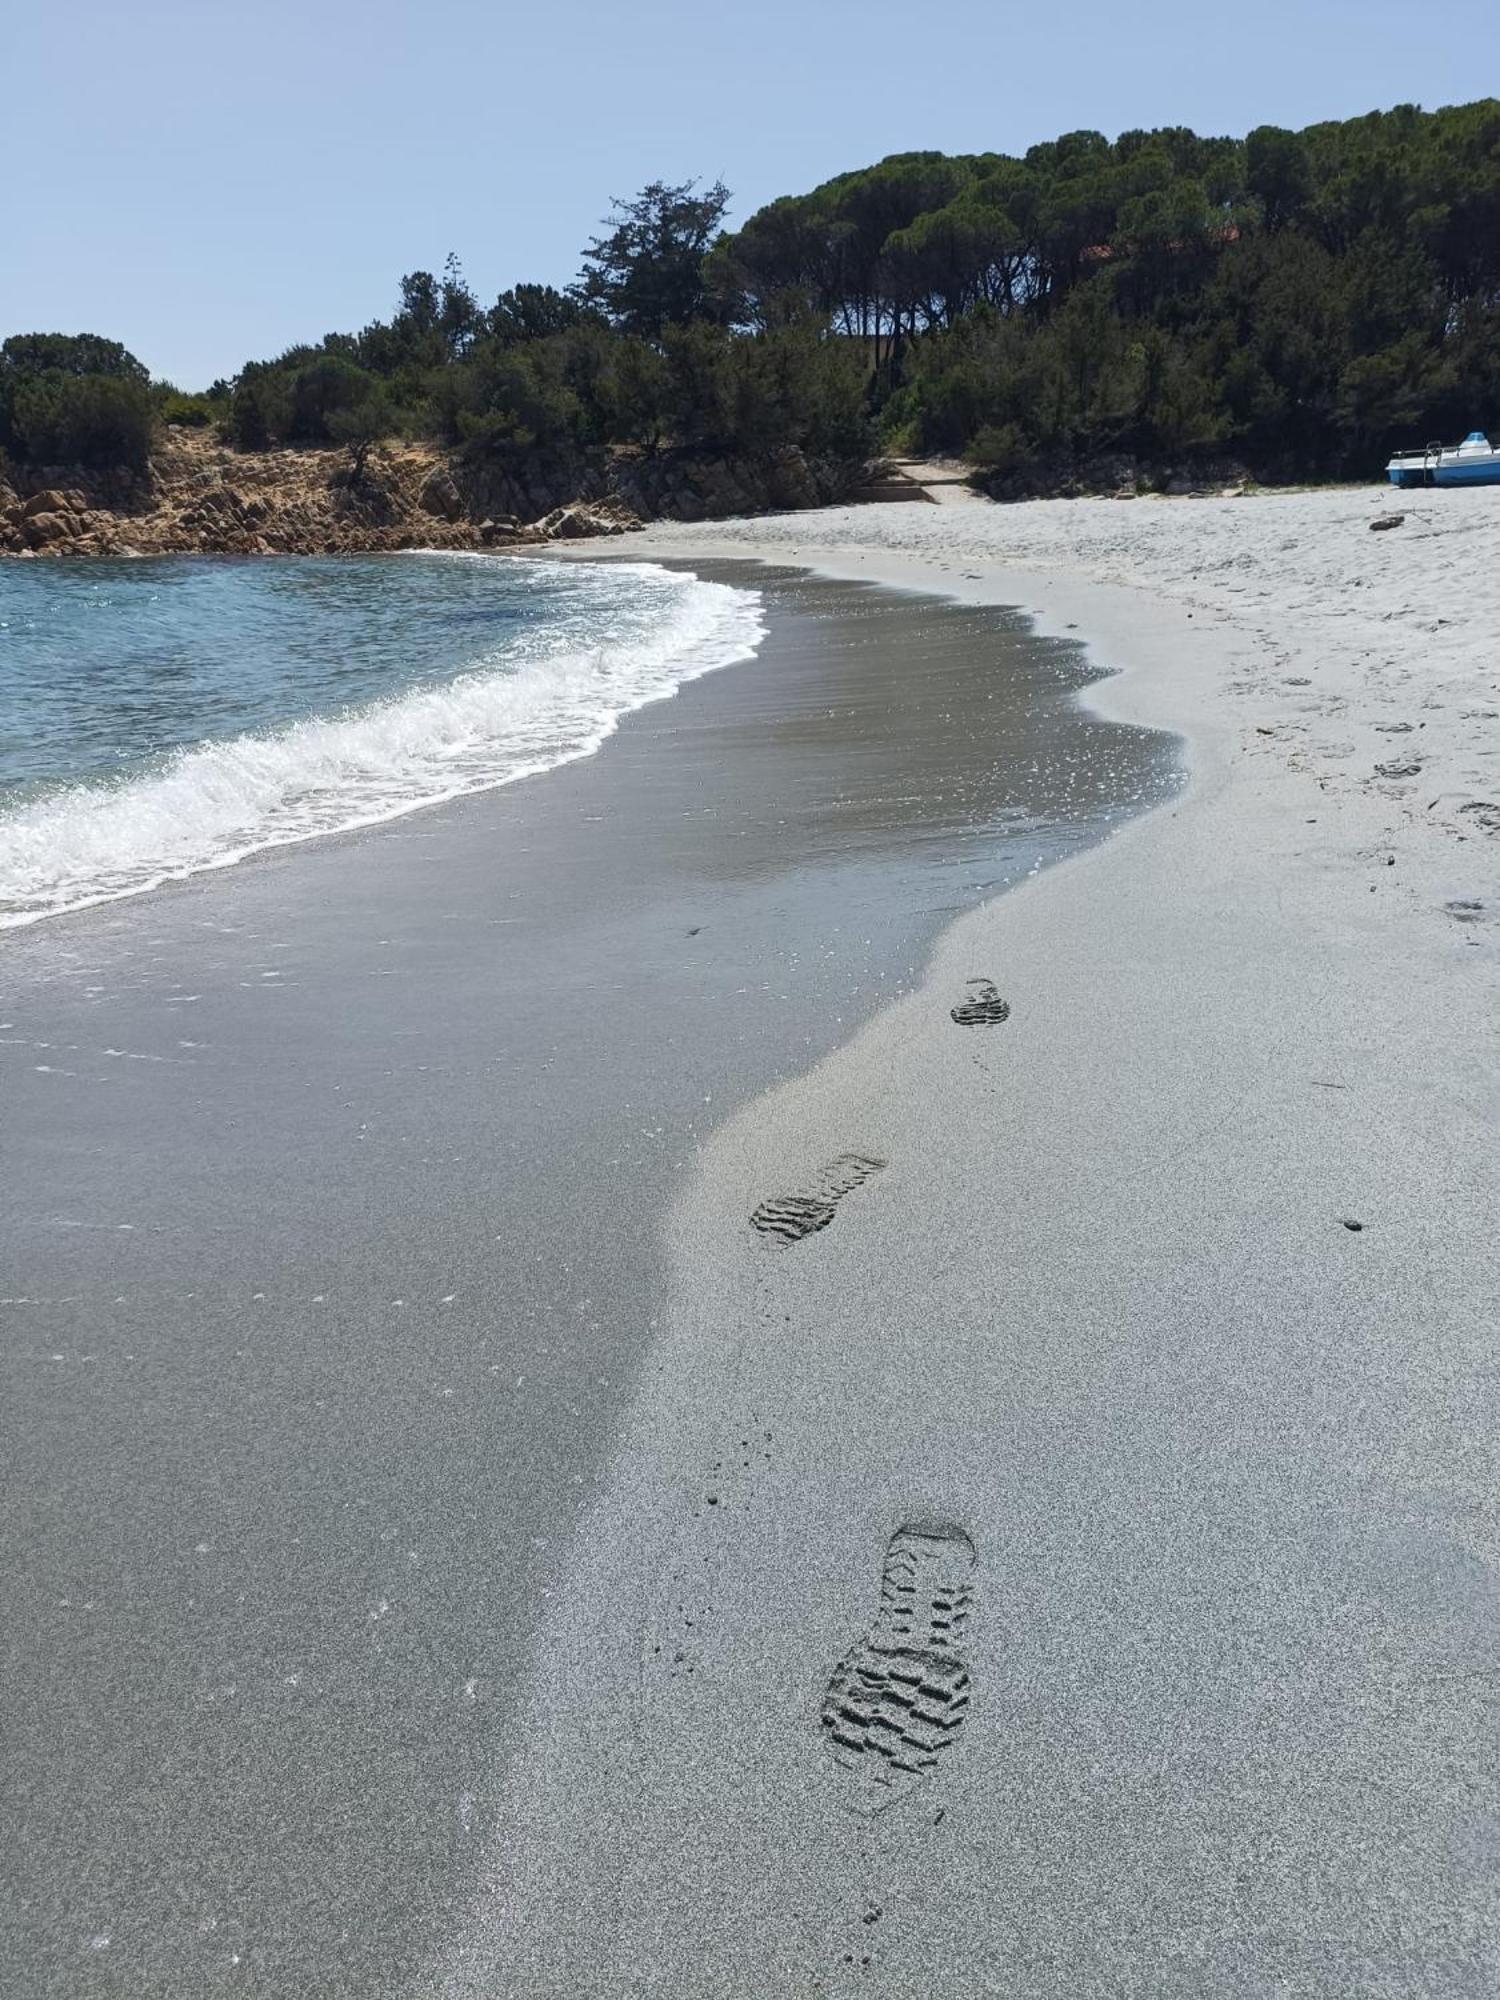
x=190 y=412
x=260 y=407
x=93 y=420
x=319 y=390
x=73 y=399
x=69 y=354
x=1001 y=448
x=521 y=411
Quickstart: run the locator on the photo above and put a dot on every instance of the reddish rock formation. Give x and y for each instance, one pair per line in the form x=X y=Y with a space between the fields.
x=200 y=496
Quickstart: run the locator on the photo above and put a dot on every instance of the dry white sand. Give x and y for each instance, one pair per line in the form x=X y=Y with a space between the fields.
x=1228 y=1466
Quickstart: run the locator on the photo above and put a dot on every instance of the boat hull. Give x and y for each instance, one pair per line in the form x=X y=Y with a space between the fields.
x=1485 y=473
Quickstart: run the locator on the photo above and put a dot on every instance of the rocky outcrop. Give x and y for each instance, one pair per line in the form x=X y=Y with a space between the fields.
x=202 y=497
x=55 y=519
x=43 y=530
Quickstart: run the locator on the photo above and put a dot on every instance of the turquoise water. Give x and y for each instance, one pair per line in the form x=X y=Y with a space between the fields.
x=166 y=716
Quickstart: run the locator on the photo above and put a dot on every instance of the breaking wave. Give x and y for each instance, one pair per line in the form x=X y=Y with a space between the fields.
x=546 y=698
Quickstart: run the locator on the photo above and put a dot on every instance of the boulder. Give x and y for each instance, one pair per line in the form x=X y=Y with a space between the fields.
x=44 y=530
x=49 y=502
x=568 y=524
x=439 y=496
x=575 y=523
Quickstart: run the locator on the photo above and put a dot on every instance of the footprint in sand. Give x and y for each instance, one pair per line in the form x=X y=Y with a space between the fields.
x=899 y=1698
x=790 y=1217
x=983 y=1005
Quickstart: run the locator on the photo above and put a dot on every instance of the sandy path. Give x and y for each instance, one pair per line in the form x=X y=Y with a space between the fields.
x=1220 y=1719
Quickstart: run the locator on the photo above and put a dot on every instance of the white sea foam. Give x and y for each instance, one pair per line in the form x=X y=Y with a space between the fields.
x=531 y=709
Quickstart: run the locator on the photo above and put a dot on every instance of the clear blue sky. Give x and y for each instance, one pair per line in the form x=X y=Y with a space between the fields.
x=209 y=182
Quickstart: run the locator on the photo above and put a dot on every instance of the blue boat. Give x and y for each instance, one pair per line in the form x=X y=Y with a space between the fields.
x=1475 y=462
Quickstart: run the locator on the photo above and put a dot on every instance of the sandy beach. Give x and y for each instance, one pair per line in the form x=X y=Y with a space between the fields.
x=1156 y=1351
x=750 y=1005
x=985 y=1506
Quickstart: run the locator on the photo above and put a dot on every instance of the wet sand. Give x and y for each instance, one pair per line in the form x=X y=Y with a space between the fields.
x=334 y=1264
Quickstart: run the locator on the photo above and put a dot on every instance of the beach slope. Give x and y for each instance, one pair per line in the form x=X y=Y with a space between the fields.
x=1053 y=1549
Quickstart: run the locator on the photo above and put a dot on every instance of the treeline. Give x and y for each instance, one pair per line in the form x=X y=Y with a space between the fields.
x=636 y=353
x=1299 y=300
x=537 y=374
x=640 y=351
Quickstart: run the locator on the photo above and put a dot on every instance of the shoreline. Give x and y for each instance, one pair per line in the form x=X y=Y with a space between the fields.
x=1172 y=1295
x=338 y=1257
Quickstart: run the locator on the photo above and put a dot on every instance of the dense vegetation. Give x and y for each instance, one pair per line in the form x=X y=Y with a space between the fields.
x=1298 y=301
x=638 y=352
x=1301 y=300
x=73 y=399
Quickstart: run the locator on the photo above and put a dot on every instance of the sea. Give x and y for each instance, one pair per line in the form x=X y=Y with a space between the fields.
x=170 y=715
